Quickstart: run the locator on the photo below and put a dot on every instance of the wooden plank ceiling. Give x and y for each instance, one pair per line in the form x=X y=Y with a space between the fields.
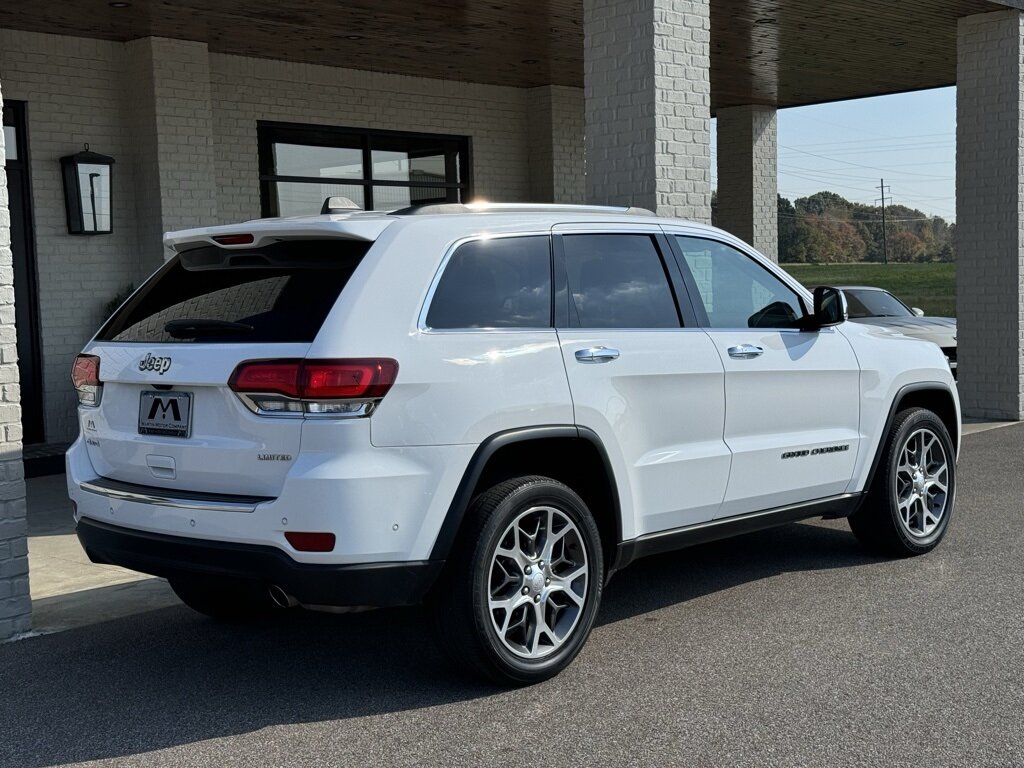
x=784 y=52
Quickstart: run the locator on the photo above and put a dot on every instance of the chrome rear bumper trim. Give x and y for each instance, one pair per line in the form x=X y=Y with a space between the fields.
x=207 y=502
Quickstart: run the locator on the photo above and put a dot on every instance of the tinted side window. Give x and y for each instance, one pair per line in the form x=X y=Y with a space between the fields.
x=500 y=283
x=737 y=292
x=617 y=281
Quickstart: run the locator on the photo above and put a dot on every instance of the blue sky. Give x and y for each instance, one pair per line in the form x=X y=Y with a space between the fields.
x=846 y=147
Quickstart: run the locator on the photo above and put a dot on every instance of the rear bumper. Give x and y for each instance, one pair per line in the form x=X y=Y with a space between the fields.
x=362 y=584
x=384 y=505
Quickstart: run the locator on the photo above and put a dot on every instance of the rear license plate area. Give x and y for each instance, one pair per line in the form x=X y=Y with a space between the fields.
x=165 y=413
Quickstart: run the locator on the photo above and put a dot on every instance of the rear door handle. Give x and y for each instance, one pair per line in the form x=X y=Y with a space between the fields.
x=596 y=355
x=745 y=351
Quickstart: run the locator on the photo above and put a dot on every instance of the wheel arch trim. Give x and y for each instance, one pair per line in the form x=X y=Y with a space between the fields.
x=894 y=407
x=449 y=530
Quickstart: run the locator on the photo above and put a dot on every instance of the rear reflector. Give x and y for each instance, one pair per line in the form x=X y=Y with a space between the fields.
x=311 y=542
x=234 y=239
x=360 y=378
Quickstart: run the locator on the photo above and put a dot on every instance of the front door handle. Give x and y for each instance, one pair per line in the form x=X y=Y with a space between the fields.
x=596 y=355
x=745 y=351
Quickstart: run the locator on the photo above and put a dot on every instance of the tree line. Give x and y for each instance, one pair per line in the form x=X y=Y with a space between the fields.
x=828 y=228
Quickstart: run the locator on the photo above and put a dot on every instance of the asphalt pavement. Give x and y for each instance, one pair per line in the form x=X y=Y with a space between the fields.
x=786 y=647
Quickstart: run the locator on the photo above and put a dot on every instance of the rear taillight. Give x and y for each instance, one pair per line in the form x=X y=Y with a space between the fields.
x=85 y=375
x=326 y=387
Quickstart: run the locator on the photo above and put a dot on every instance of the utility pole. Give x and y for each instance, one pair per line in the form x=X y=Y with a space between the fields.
x=885 y=246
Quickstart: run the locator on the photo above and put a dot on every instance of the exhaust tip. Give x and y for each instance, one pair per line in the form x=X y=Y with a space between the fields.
x=281 y=598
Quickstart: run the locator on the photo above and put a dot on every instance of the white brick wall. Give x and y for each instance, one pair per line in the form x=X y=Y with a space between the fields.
x=556 y=144
x=648 y=104
x=245 y=90
x=75 y=89
x=181 y=125
x=990 y=214
x=748 y=176
x=15 y=606
x=171 y=118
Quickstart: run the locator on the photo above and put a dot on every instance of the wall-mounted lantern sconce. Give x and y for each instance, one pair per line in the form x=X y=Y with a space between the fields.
x=87 y=193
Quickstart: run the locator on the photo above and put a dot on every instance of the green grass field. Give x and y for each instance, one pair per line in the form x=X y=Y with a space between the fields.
x=932 y=287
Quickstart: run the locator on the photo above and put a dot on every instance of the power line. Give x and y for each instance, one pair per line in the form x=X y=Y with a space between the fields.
x=831 y=173
x=885 y=140
x=854 y=221
x=915 y=147
x=831 y=183
x=859 y=165
x=910 y=202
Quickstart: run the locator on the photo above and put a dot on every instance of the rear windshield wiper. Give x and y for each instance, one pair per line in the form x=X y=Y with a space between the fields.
x=191 y=329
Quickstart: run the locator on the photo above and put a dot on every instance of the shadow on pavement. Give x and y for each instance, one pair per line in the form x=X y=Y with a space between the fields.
x=170 y=677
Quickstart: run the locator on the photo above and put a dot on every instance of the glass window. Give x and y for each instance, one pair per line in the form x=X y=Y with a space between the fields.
x=301 y=199
x=302 y=165
x=322 y=162
x=500 y=283
x=737 y=292
x=277 y=293
x=875 y=303
x=617 y=281
x=405 y=166
x=10 y=142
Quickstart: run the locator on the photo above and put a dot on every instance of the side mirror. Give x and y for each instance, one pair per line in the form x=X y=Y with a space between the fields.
x=918 y=312
x=829 y=308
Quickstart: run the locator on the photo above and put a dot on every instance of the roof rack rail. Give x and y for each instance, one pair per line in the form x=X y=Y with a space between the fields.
x=436 y=208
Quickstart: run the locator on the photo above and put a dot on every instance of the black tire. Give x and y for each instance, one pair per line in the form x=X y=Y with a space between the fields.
x=879 y=524
x=460 y=600
x=225 y=601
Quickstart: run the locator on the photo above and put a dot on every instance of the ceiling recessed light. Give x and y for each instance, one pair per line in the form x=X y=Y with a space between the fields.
x=119 y=5
x=353 y=37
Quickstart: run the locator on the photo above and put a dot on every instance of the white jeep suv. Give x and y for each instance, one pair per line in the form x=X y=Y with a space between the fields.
x=491 y=408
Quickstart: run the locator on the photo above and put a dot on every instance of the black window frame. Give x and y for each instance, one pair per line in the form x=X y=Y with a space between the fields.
x=680 y=291
x=269 y=133
x=691 y=283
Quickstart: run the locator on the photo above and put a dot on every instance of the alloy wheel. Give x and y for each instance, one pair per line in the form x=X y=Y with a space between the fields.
x=922 y=483
x=537 y=583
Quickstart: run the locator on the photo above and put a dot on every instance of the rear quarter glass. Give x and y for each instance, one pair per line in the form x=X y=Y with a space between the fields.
x=277 y=293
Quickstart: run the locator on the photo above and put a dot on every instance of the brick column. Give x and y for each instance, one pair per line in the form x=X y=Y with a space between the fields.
x=171 y=119
x=556 y=144
x=15 y=606
x=748 y=176
x=648 y=104
x=990 y=214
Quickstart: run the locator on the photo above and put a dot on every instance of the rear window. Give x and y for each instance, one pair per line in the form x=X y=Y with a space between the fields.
x=277 y=293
